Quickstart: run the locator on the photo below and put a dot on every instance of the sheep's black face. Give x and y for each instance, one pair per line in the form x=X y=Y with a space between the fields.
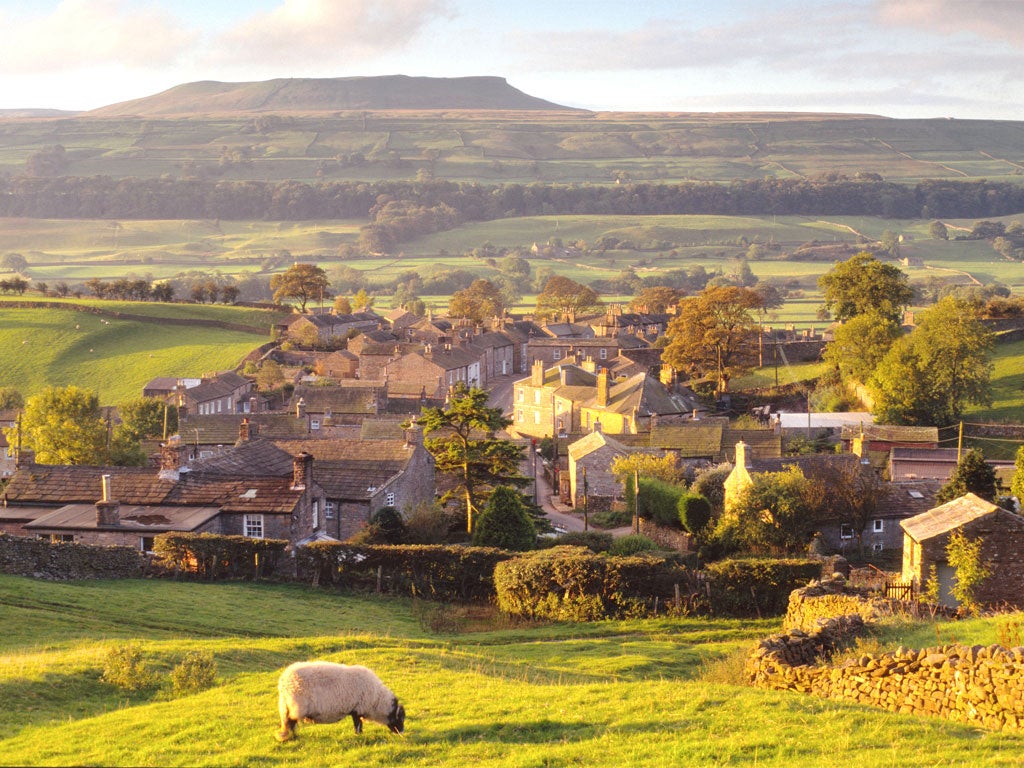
x=396 y=720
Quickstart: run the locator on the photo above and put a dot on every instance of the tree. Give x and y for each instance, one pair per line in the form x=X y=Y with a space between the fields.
x=146 y=417
x=773 y=513
x=972 y=475
x=342 y=306
x=362 y=301
x=302 y=282
x=862 y=283
x=847 y=492
x=270 y=376
x=479 y=302
x=63 y=425
x=664 y=468
x=964 y=556
x=11 y=399
x=13 y=262
x=504 y=522
x=929 y=377
x=657 y=299
x=565 y=297
x=714 y=333
x=467 y=451
x=937 y=231
x=860 y=343
x=1017 y=484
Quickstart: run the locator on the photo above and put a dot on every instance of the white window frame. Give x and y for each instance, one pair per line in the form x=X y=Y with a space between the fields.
x=878 y=526
x=316 y=513
x=142 y=544
x=556 y=354
x=314 y=423
x=536 y=397
x=520 y=394
x=846 y=531
x=603 y=353
x=389 y=499
x=536 y=417
x=328 y=509
x=252 y=526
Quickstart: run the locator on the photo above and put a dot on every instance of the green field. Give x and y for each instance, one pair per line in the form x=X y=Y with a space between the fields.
x=639 y=693
x=54 y=347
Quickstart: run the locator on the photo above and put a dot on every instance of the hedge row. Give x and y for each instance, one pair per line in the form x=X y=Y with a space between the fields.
x=432 y=572
x=579 y=585
x=756 y=587
x=211 y=556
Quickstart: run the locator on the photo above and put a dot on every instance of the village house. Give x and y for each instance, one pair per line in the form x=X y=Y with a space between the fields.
x=1002 y=549
x=644 y=325
x=8 y=448
x=712 y=439
x=224 y=393
x=553 y=351
x=591 y=458
x=329 y=329
x=345 y=403
x=260 y=492
x=428 y=373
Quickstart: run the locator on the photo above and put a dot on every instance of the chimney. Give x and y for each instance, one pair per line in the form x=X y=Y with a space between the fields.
x=589 y=365
x=742 y=460
x=300 y=408
x=602 y=388
x=108 y=511
x=413 y=435
x=172 y=458
x=24 y=457
x=246 y=432
x=537 y=374
x=302 y=471
x=254 y=404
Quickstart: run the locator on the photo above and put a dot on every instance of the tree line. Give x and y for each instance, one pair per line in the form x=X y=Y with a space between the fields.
x=406 y=206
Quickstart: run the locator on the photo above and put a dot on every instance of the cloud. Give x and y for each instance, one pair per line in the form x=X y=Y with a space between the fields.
x=325 y=32
x=88 y=33
x=989 y=19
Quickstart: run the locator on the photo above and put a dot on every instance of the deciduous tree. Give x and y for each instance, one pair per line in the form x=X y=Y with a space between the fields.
x=863 y=283
x=563 y=296
x=860 y=343
x=714 y=333
x=63 y=425
x=301 y=282
x=479 y=302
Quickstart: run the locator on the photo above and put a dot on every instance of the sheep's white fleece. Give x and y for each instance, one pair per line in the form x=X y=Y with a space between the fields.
x=325 y=692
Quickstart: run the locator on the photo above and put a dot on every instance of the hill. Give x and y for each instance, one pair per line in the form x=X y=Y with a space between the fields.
x=306 y=95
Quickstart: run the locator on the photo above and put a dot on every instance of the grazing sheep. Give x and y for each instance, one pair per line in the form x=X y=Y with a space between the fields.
x=324 y=692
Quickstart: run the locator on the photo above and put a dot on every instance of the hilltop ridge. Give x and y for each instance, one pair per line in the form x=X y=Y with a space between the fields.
x=331 y=94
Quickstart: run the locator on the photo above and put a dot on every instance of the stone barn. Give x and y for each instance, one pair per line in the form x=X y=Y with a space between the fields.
x=1001 y=532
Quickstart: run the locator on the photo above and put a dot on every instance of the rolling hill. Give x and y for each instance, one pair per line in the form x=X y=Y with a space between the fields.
x=305 y=95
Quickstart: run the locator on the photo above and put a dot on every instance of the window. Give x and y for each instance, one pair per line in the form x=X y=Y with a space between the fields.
x=329 y=510
x=878 y=526
x=252 y=526
x=389 y=499
x=556 y=354
x=520 y=394
x=519 y=415
x=536 y=417
x=536 y=396
x=876 y=547
x=314 y=423
x=846 y=531
x=603 y=354
x=316 y=514
x=145 y=543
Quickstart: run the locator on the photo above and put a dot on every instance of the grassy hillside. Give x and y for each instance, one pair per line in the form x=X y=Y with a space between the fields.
x=493 y=146
x=116 y=358
x=605 y=694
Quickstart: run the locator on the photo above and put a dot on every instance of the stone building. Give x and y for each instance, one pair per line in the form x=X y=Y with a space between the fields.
x=594 y=454
x=926 y=537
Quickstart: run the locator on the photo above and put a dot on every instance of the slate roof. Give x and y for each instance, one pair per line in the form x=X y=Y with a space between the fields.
x=908 y=499
x=251 y=458
x=592 y=442
x=691 y=441
x=948 y=517
x=359 y=399
x=382 y=428
x=930 y=455
x=223 y=429
x=223 y=385
x=642 y=393
x=143 y=519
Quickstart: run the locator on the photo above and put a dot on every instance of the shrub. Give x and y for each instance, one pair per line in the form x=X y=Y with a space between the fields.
x=711 y=485
x=595 y=541
x=212 y=556
x=196 y=672
x=504 y=522
x=756 y=587
x=430 y=523
x=125 y=668
x=615 y=518
x=573 y=584
x=631 y=544
x=392 y=526
x=694 y=512
x=659 y=501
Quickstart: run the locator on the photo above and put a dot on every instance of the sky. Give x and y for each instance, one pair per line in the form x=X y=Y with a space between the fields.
x=900 y=58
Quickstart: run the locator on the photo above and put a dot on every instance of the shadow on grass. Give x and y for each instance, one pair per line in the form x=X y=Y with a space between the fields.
x=519 y=732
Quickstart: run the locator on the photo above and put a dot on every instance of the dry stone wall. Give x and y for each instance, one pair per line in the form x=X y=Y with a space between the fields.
x=41 y=559
x=978 y=685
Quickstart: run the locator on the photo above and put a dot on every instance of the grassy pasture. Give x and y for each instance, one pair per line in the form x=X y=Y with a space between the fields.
x=53 y=347
x=604 y=694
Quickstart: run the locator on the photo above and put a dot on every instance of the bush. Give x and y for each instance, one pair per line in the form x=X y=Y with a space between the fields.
x=631 y=544
x=659 y=501
x=212 y=556
x=391 y=524
x=125 y=668
x=595 y=541
x=573 y=584
x=504 y=522
x=757 y=587
x=430 y=523
x=196 y=672
x=615 y=518
x=694 y=512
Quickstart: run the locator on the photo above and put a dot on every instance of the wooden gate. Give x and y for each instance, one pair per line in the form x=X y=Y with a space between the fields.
x=898 y=590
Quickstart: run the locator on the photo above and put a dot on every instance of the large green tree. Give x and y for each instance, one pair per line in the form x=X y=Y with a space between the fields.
x=860 y=343
x=714 y=333
x=774 y=513
x=63 y=425
x=301 y=282
x=467 y=451
x=145 y=417
x=862 y=283
x=929 y=377
x=972 y=475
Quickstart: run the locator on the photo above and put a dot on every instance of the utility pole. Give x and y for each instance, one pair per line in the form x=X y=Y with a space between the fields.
x=636 y=501
x=586 y=518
